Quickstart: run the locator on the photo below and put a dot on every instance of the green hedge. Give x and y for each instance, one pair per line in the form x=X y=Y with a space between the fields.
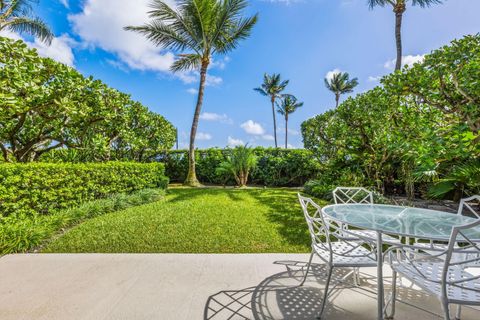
x=275 y=167
x=46 y=187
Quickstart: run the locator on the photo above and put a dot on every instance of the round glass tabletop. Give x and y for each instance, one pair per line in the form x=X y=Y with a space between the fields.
x=404 y=221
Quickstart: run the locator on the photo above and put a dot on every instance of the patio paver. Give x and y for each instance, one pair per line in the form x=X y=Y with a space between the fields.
x=182 y=286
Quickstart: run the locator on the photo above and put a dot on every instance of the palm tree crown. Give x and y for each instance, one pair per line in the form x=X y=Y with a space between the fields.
x=272 y=87
x=196 y=30
x=399 y=7
x=16 y=16
x=340 y=83
x=288 y=104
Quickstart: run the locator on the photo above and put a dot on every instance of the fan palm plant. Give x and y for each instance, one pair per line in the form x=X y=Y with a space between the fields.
x=197 y=30
x=399 y=8
x=272 y=87
x=16 y=16
x=239 y=163
x=288 y=105
x=339 y=84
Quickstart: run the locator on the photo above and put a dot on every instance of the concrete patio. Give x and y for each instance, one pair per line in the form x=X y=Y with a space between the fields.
x=180 y=286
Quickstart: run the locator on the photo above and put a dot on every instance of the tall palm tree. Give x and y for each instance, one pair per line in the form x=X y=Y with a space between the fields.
x=288 y=104
x=272 y=87
x=16 y=16
x=339 y=84
x=197 y=30
x=399 y=8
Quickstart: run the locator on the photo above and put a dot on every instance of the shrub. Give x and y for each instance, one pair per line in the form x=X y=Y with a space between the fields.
x=45 y=188
x=22 y=233
x=275 y=167
x=239 y=164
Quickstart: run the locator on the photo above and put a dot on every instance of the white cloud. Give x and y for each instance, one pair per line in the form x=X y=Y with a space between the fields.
x=406 y=61
x=100 y=24
x=60 y=49
x=232 y=142
x=192 y=91
x=204 y=136
x=252 y=127
x=211 y=116
x=268 y=137
x=65 y=3
x=330 y=74
x=374 y=79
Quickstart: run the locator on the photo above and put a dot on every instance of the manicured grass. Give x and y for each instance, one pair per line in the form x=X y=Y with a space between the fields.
x=197 y=221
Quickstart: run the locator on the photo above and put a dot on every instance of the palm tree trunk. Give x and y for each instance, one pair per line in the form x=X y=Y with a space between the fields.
x=399 y=10
x=274 y=122
x=286 y=131
x=337 y=99
x=192 y=176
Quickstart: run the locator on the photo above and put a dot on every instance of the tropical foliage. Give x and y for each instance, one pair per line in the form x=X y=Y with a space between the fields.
x=46 y=105
x=197 y=30
x=422 y=122
x=239 y=164
x=339 y=84
x=399 y=7
x=275 y=167
x=288 y=105
x=272 y=87
x=17 y=16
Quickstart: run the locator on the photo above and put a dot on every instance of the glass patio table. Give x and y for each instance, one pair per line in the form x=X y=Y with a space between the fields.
x=398 y=221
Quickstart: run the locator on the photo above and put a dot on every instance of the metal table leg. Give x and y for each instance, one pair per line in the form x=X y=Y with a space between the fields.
x=380 y=302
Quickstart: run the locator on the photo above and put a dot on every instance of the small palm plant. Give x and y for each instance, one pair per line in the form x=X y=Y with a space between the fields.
x=288 y=105
x=339 y=84
x=272 y=87
x=16 y=16
x=197 y=30
x=239 y=164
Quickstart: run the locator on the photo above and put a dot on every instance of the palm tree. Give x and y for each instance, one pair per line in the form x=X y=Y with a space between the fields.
x=288 y=104
x=272 y=87
x=339 y=84
x=399 y=7
x=16 y=16
x=197 y=30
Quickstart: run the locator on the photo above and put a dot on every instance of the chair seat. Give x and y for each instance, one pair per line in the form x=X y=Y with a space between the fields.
x=465 y=292
x=346 y=255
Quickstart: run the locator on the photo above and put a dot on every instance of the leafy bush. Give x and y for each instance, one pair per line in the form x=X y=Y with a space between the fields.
x=239 y=164
x=22 y=233
x=44 y=188
x=275 y=167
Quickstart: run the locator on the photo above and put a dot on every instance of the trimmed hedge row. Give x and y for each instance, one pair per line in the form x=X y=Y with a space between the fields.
x=46 y=187
x=275 y=167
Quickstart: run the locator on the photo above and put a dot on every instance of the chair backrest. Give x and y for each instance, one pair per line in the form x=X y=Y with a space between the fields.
x=317 y=226
x=352 y=195
x=466 y=207
x=462 y=245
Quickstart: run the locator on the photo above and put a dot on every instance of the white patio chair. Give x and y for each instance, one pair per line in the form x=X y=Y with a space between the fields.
x=339 y=253
x=466 y=207
x=358 y=195
x=442 y=274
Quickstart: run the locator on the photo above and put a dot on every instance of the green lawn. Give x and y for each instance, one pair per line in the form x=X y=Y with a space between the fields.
x=197 y=221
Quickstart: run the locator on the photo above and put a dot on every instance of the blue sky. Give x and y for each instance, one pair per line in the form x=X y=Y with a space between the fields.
x=302 y=40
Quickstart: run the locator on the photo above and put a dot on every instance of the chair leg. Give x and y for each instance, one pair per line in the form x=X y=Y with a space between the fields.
x=308 y=269
x=459 y=312
x=446 y=310
x=325 y=293
x=394 y=296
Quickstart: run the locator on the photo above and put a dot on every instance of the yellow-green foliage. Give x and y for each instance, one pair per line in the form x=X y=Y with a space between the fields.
x=42 y=188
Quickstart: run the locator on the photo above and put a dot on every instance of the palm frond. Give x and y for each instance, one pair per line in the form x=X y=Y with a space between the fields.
x=34 y=27
x=163 y=35
x=187 y=62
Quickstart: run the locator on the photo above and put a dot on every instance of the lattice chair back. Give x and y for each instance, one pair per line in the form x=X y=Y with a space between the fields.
x=467 y=207
x=317 y=226
x=352 y=195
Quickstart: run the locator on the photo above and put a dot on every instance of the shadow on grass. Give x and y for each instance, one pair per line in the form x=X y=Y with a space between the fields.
x=285 y=211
